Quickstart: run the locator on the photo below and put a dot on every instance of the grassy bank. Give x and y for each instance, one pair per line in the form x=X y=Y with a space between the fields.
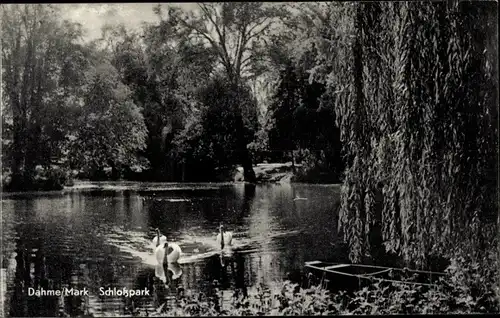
x=286 y=173
x=269 y=172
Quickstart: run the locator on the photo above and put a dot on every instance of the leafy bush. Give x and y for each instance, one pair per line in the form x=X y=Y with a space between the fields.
x=288 y=299
x=6 y=178
x=469 y=287
x=316 y=168
x=52 y=178
x=45 y=179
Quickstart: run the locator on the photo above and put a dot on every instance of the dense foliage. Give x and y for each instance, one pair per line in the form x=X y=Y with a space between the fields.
x=413 y=85
x=127 y=102
x=302 y=127
x=156 y=77
x=218 y=141
x=43 y=67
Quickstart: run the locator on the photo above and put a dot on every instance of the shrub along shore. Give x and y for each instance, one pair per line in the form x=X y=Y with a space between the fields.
x=56 y=178
x=470 y=286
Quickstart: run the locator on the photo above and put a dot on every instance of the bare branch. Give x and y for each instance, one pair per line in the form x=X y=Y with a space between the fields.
x=240 y=48
x=247 y=59
x=260 y=58
x=261 y=30
x=257 y=23
x=209 y=39
x=222 y=38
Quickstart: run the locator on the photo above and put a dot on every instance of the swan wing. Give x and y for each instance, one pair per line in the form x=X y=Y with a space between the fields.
x=218 y=238
x=174 y=256
x=228 y=237
x=176 y=248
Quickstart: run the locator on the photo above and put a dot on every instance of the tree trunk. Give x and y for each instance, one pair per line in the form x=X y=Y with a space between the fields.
x=248 y=172
x=30 y=159
x=115 y=171
x=183 y=171
x=20 y=156
x=17 y=158
x=246 y=156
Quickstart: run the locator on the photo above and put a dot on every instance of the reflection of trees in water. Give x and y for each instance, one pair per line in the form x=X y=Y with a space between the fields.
x=240 y=277
x=206 y=277
x=230 y=204
x=248 y=199
x=261 y=226
x=70 y=253
x=118 y=205
x=31 y=271
x=8 y=255
x=166 y=215
x=58 y=248
x=139 y=218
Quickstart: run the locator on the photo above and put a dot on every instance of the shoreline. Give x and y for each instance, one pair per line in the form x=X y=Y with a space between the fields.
x=86 y=185
x=266 y=173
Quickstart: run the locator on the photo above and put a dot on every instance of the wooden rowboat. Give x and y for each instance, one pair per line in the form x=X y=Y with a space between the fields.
x=355 y=276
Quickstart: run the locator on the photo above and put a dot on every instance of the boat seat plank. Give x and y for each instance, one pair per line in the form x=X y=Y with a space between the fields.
x=379 y=272
x=314 y=262
x=337 y=266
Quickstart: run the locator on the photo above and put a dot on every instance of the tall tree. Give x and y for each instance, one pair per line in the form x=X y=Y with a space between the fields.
x=164 y=77
x=42 y=67
x=111 y=127
x=282 y=136
x=235 y=34
x=302 y=118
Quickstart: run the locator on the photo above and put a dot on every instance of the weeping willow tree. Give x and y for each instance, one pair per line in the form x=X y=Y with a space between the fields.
x=414 y=85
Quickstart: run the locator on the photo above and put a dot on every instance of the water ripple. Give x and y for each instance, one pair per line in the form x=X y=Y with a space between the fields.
x=100 y=236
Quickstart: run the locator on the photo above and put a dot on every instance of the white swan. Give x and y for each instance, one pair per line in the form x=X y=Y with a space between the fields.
x=224 y=238
x=163 y=256
x=158 y=239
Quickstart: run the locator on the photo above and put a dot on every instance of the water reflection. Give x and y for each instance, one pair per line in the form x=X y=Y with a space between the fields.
x=102 y=238
x=168 y=272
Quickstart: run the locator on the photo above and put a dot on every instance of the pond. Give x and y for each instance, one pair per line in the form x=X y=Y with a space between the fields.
x=98 y=235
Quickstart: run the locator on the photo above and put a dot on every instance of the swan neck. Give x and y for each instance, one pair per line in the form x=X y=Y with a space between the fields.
x=165 y=257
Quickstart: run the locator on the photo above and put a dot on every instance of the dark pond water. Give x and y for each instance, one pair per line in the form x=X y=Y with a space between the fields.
x=101 y=237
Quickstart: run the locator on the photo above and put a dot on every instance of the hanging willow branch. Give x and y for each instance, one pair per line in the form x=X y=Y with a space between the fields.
x=413 y=121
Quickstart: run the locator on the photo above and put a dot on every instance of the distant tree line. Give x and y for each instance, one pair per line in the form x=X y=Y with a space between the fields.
x=173 y=101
